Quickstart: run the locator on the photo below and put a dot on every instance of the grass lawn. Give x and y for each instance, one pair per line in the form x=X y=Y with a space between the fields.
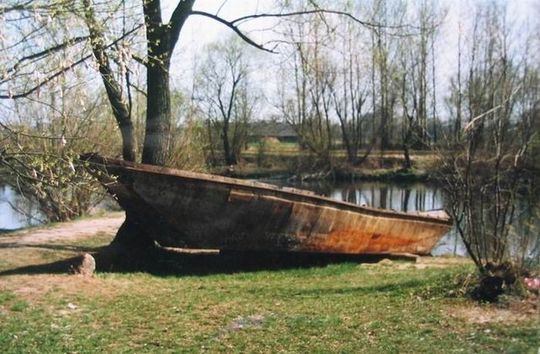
x=390 y=307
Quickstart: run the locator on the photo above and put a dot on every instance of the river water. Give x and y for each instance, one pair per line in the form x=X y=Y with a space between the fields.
x=16 y=212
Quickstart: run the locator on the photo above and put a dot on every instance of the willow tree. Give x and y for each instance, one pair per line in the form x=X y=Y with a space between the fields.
x=225 y=95
x=108 y=36
x=96 y=26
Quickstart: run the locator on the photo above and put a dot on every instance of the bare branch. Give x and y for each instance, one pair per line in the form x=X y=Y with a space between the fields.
x=239 y=20
x=42 y=54
x=471 y=124
x=138 y=89
x=33 y=6
x=139 y=60
x=66 y=68
x=223 y=3
x=178 y=18
x=18 y=7
x=232 y=26
x=47 y=80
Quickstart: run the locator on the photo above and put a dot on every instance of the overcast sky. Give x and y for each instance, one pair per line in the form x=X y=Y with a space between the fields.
x=200 y=31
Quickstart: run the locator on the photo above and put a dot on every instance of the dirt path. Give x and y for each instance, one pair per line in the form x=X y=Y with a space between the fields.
x=66 y=231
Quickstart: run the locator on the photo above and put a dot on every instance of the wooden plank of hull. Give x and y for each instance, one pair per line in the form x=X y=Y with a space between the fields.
x=184 y=209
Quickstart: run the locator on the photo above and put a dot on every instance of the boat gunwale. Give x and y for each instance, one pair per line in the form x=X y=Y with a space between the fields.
x=286 y=191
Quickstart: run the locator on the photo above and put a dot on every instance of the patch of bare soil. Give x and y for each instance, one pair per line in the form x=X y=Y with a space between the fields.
x=441 y=262
x=514 y=311
x=34 y=288
x=417 y=262
x=72 y=230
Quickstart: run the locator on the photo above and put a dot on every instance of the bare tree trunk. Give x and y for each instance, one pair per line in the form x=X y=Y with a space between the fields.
x=120 y=107
x=158 y=114
x=230 y=158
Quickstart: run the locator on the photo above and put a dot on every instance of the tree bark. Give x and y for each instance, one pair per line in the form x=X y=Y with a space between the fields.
x=162 y=38
x=128 y=139
x=120 y=107
x=158 y=114
x=230 y=157
x=407 y=156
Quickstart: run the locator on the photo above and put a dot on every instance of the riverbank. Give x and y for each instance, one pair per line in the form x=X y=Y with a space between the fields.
x=335 y=307
x=388 y=167
x=343 y=174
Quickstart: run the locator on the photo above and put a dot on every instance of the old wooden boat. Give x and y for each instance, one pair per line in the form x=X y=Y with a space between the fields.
x=194 y=210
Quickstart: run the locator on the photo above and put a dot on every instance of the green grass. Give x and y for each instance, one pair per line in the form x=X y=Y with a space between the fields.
x=285 y=159
x=346 y=308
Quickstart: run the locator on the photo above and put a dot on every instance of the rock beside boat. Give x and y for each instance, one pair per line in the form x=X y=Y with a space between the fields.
x=84 y=265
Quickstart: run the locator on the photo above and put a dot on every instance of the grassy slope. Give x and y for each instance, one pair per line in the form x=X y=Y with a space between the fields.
x=337 y=308
x=283 y=159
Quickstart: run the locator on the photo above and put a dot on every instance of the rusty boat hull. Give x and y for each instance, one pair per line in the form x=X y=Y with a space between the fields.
x=194 y=210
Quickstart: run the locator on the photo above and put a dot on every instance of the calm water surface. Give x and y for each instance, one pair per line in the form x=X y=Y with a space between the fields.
x=16 y=212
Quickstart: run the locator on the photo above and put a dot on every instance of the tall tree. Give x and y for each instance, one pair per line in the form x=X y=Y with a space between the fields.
x=224 y=92
x=121 y=106
x=105 y=42
x=384 y=46
x=416 y=66
x=306 y=100
x=95 y=26
x=350 y=91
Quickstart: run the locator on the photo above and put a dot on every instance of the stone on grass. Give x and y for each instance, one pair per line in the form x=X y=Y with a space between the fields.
x=84 y=265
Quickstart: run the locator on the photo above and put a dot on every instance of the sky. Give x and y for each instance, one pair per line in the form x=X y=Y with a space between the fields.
x=200 y=31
